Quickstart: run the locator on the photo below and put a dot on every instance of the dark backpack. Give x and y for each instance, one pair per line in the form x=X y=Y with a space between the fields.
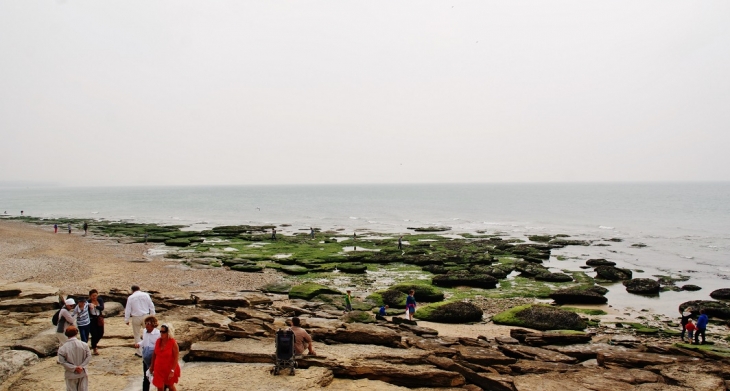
x=54 y=319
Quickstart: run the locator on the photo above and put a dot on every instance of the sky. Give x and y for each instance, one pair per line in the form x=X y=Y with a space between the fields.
x=117 y=93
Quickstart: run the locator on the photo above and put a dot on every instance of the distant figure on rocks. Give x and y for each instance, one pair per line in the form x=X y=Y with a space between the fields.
x=69 y=228
x=86 y=228
x=145 y=238
x=273 y=234
x=302 y=340
x=55 y=228
x=410 y=304
x=21 y=212
x=701 y=327
x=400 y=243
x=311 y=232
x=686 y=316
x=139 y=305
x=66 y=319
x=75 y=356
x=348 y=301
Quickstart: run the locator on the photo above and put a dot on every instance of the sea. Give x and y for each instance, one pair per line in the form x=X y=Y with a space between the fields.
x=685 y=227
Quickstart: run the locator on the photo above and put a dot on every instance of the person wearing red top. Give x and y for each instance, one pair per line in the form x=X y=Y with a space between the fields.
x=690 y=327
x=164 y=364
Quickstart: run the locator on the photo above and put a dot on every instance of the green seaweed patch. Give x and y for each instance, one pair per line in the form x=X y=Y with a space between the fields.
x=586 y=311
x=711 y=348
x=540 y=317
x=359 y=317
x=277 y=287
x=450 y=312
x=309 y=290
x=424 y=293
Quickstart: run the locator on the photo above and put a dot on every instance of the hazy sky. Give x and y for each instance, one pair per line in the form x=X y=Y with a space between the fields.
x=258 y=92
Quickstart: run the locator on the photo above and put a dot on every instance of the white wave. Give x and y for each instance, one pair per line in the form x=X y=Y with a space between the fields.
x=604 y=227
x=94 y=213
x=687 y=257
x=711 y=246
x=455 y=218
x=353 y=218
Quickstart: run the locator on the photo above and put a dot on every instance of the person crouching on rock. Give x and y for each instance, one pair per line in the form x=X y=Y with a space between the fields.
x=302 y=340
x=75 y=356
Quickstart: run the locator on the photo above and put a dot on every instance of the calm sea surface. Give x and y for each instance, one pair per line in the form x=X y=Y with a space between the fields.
x=686 y=226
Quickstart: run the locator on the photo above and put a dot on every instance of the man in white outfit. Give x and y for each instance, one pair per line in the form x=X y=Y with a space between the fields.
x=139 y=305
x=75 y=356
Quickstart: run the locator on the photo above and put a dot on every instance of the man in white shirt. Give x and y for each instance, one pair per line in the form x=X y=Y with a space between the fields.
x=139 y=305
x=75 y=356
x=150 y=337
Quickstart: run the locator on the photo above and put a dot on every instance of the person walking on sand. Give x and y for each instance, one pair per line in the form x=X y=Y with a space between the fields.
x=83 y=319
x=86 y=228
x=411 y=304
x=348 y=301
x=149 y=340
x=96 y=315
x=55 y=228
x=75 y=356
x=66 y=319
x=139 y=305
x=686 y=316
x=164 y=365
x=69 y=228
x=145 y=238
x=400 y=243
x=701 y=327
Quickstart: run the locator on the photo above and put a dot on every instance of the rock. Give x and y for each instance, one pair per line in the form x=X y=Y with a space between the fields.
x=506 y=340
x=43 y=345
x=235 y=350
x=600 y=262
x=250 y=313
x=450 y=312
x=352 y=268
x=177 y=242
x=585 y=352
x=721 y=294
x=530 y=269
x=579 y=295
x=625 y=340
x=533 y=353
x=540 y=317
x=483 y=356
x=12 y=361
x=246 y=329
x=418 y=330
x=358 y=333
x=399 y=320
x=633 y=376
x=554 y=277
x=452 y=279
x=403 y=375
x=112 y=308
x=294 y=269
x=484 y=380
x=436 y=346
x=716 y=309
x=562 y=242
x=230 y=299
x=700 y=377
x=690 y=287
x=642 y=286
x=526 y=367
x=424 y=293
x=30 y=305
x=28 y=290
x=538 y=382
x=635 y=359
x=532 y=338
x=249 y=268
x=358 y=317
x=613 y=273
x=309 y=290
x=498 y=271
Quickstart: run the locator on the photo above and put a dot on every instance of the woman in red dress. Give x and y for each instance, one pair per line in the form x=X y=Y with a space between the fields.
x=164 y=366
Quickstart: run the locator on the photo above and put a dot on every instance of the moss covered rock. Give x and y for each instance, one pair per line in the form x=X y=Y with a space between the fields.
x=353 y=268
x=713 y=309
x=613 y=273
x=554 y=277
x=309 y=290
x=247 y=267
x=453 y=279
x=359 y=317
x=176 y=242
x=580 y=295
x=424 y=293
x=450 y=312
x=277 y=287
x=294 y=269
x=540 y=317
x=642 y=286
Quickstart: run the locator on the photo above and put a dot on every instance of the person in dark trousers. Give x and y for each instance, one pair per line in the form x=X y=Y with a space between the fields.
x=69 y=228
x=86 y=228
x=55 y=228
x=686 y=316
x=96 y=314
x=400 y=243
x=273 y=234
x=311 y=232
x=701 y=327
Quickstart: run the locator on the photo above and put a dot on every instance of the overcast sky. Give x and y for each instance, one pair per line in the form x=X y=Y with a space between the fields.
x=272 y=92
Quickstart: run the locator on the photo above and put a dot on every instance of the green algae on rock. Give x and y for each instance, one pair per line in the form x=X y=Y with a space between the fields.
x=450 y=312
x=540 y=317
x=309 y=290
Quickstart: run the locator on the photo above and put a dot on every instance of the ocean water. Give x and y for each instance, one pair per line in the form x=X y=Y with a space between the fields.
x=686 y=226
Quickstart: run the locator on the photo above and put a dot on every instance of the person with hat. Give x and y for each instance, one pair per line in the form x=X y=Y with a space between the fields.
x=685 y=319
x=75 y=356
x=66 y=319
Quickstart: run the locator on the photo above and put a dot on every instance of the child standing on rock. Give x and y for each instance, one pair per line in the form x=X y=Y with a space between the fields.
x=410 y=304
x=348 y=301
x=690 y=327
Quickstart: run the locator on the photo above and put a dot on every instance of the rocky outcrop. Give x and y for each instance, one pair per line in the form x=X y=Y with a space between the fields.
x=43 y=345
x=540 y=317
x=600 y=262
x=534 y=353
x=613 y=273
x=721 y=294
x=580 y=295
x=637 y=359
x=450 y=312
x=463 y=278
x=230 y=299
x=642 y=286
x=12 y=361
x=358 y=333
x=690 y=287
x=30 y=305
x=715 y=309
x=554 y=277
x=307 y=291
x=532 y=338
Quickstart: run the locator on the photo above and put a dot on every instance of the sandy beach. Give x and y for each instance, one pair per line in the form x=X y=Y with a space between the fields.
x=76 y=264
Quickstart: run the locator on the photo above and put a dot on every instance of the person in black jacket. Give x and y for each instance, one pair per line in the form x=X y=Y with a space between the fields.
x=686 y=316
x=96 y=311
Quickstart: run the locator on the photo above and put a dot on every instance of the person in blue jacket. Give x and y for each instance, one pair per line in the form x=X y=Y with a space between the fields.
x=701 y=327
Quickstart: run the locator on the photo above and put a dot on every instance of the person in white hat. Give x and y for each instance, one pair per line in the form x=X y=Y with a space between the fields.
x=65 y=319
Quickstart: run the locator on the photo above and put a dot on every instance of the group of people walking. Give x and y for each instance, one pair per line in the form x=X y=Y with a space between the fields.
x=694 y=330
x=82 y=320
